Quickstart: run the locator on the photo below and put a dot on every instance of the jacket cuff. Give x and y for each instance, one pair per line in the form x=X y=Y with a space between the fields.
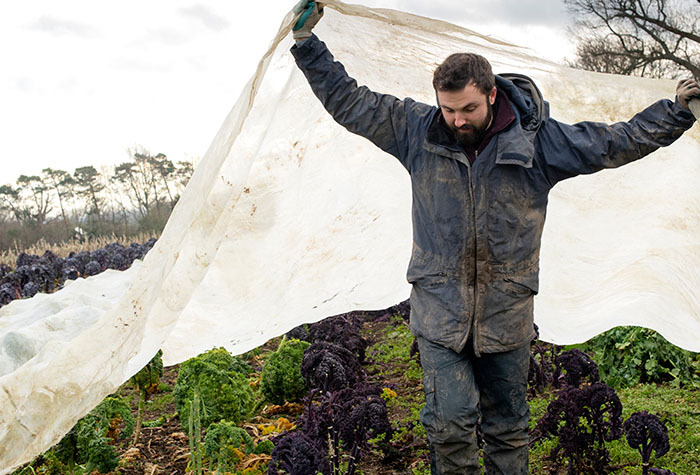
x=682 y=113
x=300 y=47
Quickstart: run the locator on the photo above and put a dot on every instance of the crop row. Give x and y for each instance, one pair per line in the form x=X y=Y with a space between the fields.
x=49 y=272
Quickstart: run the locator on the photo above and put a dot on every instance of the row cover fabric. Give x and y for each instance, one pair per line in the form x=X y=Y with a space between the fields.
x=289 y=219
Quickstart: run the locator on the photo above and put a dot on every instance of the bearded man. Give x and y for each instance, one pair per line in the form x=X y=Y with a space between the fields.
x=481 y=166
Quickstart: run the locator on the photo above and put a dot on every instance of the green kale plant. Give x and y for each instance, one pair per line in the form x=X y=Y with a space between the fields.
x=222 y=383
x=194 y=429
x=264 y=447
x=225 y=444
x=627 y=356
x=90 y=441
x=281 y=378
x=144 y=381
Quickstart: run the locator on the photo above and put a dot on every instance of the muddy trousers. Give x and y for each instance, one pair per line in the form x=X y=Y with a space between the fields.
x=459 y=388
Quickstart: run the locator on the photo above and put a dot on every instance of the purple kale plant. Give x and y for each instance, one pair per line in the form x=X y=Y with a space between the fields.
x=582 y=419
x=92 y=268
x=297 y=454
x=30 y=289
x=330 y=367
x=4 y=270
x=8 y=293
x=572 y=367
x=541 y=371
x=342 y=422
x=646 y=433
x=318 y=422
x=402 y=309
x=343 y=330
x=364 y=416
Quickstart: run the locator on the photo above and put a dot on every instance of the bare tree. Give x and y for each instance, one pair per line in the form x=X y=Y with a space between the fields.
x=183 y=173
x=88 y=186
x=165 y=170
x=35 y=197
x=654 y=38
x=136 y=186
x=10 y=201
x=151 y=182
x=60 y=181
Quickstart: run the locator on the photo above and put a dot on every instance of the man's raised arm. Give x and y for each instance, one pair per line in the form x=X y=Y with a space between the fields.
x=382 y=118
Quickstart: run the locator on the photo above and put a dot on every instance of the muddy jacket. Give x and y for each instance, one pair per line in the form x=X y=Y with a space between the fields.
x=477 y=227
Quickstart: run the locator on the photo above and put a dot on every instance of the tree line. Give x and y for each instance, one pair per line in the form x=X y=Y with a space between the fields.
x=133 y=197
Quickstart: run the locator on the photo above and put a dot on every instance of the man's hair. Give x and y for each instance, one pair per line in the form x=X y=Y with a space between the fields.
x=460 y=69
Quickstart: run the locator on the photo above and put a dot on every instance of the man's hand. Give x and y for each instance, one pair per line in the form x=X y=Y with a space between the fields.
x=311 y=13
x=686 y=90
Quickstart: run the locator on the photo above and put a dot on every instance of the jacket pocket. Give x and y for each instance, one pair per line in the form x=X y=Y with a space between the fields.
x=520 y=286
x=426 y=271
x=507 y=319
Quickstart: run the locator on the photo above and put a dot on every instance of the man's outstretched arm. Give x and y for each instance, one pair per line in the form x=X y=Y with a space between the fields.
x=587 y=147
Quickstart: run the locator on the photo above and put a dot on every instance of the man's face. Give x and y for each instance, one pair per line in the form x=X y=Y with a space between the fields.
x=468 y=113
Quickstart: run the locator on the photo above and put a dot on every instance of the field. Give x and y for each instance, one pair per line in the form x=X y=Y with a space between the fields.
x=262 y=395
x=164 y=446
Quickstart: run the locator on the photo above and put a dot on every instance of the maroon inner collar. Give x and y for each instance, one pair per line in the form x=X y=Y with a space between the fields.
x=503 y=116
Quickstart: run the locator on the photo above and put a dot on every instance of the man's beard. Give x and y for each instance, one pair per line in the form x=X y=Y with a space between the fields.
x=470 y=136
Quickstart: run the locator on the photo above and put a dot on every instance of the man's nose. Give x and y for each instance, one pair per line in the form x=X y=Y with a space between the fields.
x=460 y=120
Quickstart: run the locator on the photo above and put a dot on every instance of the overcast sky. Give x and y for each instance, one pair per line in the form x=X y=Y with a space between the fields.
x=84 y=81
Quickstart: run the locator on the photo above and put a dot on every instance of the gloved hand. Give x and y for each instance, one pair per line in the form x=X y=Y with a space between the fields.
x=311 y=13
x=686 y=90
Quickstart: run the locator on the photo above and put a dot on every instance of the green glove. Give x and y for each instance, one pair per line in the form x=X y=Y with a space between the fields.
x=311 y=13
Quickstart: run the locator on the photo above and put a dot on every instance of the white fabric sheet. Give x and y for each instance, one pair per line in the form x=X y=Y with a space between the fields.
x=289 y=219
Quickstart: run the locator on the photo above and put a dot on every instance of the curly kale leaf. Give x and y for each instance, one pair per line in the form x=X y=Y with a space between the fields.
x=572 y=367
x=110 y=414
x=264 y=447
x=342 y=330
x=330 y=367
x=363 y=416
x=346 y=420
x=541 y=371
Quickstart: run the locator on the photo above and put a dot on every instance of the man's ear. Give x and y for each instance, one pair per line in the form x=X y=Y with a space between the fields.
x=492 y=95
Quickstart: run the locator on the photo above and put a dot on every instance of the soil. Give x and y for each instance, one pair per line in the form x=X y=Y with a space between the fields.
x=160 y=450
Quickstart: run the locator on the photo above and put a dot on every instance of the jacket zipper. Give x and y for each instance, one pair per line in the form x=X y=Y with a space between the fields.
x=475 y=255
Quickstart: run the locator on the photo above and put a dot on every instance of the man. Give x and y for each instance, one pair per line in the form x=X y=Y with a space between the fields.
x=481 y=168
